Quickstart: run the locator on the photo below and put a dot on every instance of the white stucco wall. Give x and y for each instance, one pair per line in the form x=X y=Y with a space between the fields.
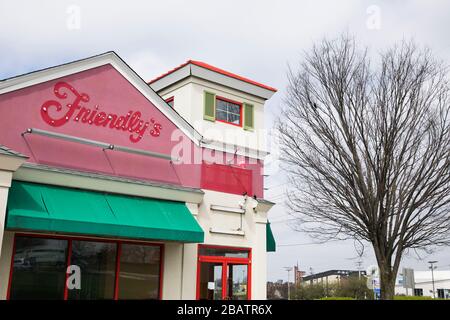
x=180 y=260
x=5 y=183
x=5 y=262
x=253 y=226
x=172 y=277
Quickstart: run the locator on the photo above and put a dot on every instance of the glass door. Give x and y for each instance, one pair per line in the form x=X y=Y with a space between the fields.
x=237 y=282
x=211 y=281
x=223 y=273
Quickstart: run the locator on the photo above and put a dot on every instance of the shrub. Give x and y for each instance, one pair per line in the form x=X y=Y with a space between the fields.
x=351 y=287
x=354 y=287
x=308 y=292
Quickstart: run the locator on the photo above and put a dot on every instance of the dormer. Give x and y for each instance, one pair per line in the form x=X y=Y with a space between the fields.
x=222 y=106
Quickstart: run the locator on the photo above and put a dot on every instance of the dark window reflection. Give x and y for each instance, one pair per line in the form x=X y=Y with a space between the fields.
x=224 y=252
x=97 y=262
x=228 y=111
x=237 y=282
x=39 y=269
x=211 y=281
x=139 y=272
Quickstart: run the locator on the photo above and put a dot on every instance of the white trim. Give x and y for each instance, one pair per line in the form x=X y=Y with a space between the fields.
x=227 y=209
x=10 y=162
x=228 y=232
x=228 y=81
x=43 y=175
x=263 y=205
x=191 y=69
x=236 y=95
x=171 y=78
x=52 y=73
x=231 y=148
x=193 y=208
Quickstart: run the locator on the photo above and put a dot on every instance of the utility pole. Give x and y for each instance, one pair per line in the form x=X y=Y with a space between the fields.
x=432 y=267
x=288 y=269
x=358 y=265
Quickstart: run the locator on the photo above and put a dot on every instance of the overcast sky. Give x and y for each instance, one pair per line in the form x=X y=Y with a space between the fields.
x=256 y=39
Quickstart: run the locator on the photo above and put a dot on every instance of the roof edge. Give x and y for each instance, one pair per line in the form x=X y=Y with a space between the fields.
x=214 y=69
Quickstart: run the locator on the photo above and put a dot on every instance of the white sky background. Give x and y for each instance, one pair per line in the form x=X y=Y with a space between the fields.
x=256 y=39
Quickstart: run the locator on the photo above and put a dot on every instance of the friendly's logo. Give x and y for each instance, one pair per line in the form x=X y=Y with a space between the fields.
x=54 y=114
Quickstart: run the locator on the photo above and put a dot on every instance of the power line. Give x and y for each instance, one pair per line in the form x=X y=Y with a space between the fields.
x=278 y=197
x=284 y=215
x=284 y=184
x=283 y=220
x=304 y=244
x=299 y=244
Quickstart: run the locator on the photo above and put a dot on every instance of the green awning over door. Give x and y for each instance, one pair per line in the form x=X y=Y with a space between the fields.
x=270 y=239
x=46 y=208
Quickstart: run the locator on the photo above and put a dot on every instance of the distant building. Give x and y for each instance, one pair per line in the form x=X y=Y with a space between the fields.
x=277 y=290
x=298 y=275
x=331 y=276
x=423 y=284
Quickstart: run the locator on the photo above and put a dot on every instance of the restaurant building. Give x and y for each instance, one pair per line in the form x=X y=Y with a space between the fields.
x=112 y=187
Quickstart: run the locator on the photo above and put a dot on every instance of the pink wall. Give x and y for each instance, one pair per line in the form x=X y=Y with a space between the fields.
x=109 y=92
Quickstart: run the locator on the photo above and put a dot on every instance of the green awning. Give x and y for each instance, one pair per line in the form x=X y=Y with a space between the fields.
x=45 y=208
x=270 y=240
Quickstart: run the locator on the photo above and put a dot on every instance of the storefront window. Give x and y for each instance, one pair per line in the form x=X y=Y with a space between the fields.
x=139 y=272
x=107 y=270
x=39 y=269
x=97 y=262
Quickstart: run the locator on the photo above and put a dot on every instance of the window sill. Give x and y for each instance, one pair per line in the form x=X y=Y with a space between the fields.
x=227 y=209
x=228 y=232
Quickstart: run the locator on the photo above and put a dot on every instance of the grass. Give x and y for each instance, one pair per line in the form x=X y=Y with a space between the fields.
x=338 y=298
x=415 y=298
x=395 y=298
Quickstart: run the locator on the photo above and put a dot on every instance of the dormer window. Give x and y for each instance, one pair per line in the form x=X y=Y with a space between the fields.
x=228 y=111
x=221 y=109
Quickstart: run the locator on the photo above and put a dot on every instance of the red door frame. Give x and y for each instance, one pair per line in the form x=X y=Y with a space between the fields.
x=225 y=261
x=93 y=239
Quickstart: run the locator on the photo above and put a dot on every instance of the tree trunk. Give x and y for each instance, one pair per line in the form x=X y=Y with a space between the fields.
x=387 y=281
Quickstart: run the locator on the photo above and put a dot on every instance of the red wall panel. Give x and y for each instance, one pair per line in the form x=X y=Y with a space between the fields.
x=226 y=178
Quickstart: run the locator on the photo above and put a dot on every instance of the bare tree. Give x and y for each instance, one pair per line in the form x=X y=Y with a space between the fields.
x=366 y=149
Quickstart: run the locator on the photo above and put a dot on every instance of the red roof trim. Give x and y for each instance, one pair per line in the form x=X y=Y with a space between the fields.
x=169 y=72
x=215 y=69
